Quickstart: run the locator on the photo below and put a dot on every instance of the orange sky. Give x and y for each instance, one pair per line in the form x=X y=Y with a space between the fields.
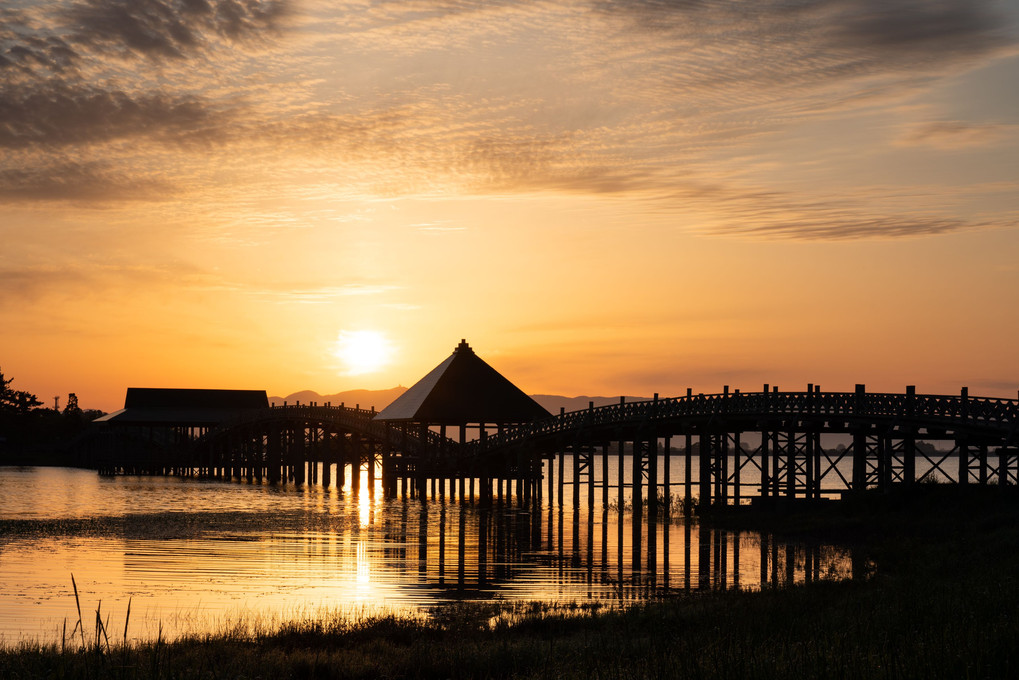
x=603 y=198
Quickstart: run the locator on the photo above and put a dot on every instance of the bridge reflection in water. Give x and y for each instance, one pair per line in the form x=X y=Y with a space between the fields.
x=195 y=555
x=480 y=552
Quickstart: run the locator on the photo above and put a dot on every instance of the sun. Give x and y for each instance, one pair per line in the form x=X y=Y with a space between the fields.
x=362 y=352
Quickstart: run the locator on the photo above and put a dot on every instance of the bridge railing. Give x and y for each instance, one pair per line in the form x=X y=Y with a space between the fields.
x=355 y=419
x=986 y=413
x=949 y=411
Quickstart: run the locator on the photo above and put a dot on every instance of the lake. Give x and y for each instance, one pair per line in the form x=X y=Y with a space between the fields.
x=196 y=556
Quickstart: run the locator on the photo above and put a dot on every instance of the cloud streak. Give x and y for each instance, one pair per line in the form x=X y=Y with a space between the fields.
x=954 y=134
x=471 y=98
x=171 y=28
x=55 y=114
x=88 y=182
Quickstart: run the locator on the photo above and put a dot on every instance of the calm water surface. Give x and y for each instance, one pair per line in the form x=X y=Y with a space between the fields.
x=194 y=556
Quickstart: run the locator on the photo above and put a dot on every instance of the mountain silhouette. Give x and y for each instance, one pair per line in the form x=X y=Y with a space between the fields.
x=379 y=399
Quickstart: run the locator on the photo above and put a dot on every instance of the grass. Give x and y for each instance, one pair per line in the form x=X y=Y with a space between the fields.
x=944 y=603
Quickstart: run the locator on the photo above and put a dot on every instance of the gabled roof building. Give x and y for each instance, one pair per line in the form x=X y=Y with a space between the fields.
x=184 y=407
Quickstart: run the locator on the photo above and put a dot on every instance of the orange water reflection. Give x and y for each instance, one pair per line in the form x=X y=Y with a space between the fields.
x=198 y=557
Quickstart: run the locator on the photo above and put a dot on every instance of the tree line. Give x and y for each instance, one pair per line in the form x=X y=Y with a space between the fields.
x=31 y=434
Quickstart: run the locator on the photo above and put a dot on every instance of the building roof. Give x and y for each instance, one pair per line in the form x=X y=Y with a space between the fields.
x=159 y=406
x=463 y=389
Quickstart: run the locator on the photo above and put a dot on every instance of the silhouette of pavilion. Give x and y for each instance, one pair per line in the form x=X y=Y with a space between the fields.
x=463 y=391
x=157 y=406
x=187 y=413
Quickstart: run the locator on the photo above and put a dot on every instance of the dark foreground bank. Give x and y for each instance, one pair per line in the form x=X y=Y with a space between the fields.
x=943 y=603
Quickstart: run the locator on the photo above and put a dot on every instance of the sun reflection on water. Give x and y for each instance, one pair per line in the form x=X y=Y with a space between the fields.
x=363 y=566
x=215 y=550
x=364 y=505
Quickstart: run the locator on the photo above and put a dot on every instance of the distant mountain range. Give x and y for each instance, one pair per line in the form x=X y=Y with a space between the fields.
x=379 y=399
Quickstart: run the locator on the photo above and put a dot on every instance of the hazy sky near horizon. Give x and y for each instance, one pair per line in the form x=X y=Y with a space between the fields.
x=602 y=197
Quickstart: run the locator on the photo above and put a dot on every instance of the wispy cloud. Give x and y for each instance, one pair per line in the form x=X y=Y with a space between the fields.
x=765 y=214
x=387 y=98
x=171 y=28
x=319 y=294
x=56 y=114
x=85 y=182
x=438 y=228
x=954 y=134
x=34 y=282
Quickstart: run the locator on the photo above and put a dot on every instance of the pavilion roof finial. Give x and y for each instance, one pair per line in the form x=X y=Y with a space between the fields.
x=463 y=345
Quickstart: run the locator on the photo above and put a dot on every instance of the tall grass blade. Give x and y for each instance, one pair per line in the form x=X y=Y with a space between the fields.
x=101 y=626
x=77 y=602
x=126 y=620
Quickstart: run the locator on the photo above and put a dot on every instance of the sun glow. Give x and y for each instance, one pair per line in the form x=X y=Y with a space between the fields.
x=362 y=352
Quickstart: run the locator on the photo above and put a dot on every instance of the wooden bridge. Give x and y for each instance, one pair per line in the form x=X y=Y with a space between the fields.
x=733 y=446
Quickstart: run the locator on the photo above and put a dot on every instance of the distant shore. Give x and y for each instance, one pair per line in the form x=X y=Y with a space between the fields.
x=941 y=603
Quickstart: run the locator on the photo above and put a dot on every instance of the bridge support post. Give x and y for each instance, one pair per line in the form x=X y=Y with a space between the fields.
x=909 y=442
x=688 y=471
x=374 y=449
x=722 y=468
x=620 y=498
x=790 y=464
x=667 y=474
x=705 y=452
x=652 y=504
x=313 y=455
x=274 y=457
x=909 y=459
x=486 y=491
x=388 y=478
x=809 y=454
x=551 y=481
x=298 y=455
x=358 y=445
x=605 y=476
x=562 y=469
x=859 y=461
x=983 y=476
x=342 y=457
x=1007 y=461
x=737 y=448
x=637 y=501
x=884 y=447
x=576 y=476
x=818 y=454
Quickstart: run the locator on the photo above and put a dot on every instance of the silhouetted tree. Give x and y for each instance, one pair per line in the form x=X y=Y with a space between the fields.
x=16 y=401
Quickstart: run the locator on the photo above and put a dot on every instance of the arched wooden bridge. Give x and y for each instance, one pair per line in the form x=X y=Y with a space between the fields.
x=733 y=446
x=777 y=436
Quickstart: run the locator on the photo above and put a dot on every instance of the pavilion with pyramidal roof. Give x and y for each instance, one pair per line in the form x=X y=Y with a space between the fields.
x=464 y=393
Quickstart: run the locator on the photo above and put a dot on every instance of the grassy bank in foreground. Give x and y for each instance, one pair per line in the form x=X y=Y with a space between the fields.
x=943 y=604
